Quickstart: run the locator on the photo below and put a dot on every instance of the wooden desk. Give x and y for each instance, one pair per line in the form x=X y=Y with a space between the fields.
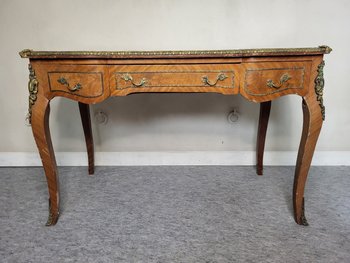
x=259 y=75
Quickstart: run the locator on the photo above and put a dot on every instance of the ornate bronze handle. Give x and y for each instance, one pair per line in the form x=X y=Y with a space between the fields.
x=63 y=81
x=220 y=77
x=128 y=77
x=284 y=78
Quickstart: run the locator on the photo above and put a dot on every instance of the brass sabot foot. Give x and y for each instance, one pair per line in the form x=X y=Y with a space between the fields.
x=53 y=216
x=302 y=221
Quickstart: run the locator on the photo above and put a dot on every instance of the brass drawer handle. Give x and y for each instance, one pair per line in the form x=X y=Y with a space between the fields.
x=63 y=81
x=284 y=78
x=128 y=77
x=220 y=77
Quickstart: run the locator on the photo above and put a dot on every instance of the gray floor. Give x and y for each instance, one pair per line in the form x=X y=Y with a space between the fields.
x=175 y=214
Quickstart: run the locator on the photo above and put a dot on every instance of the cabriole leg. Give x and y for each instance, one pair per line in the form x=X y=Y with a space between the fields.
x=314 y=114
x=311 y=130
x=40 y=126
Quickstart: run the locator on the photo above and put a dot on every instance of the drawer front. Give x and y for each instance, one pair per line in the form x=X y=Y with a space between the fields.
x=81 y=84
x=173 y=78
x=264 y=81
x=84 y=83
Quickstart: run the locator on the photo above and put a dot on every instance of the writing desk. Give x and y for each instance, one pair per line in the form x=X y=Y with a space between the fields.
x=259 y=75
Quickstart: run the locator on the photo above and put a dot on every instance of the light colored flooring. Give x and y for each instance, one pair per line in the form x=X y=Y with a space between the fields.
x=175 y=214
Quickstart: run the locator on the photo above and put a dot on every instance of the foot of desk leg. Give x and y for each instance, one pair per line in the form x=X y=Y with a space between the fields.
x=311 y=130
x=53 y=216
x=302 y=220
x=265 y=108
x=86 y=121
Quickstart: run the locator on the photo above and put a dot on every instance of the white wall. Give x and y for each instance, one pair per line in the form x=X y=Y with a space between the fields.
x=175 y=122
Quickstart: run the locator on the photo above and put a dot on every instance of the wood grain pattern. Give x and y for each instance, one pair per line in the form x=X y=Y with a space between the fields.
x=93 y=78
x=256 y=76
x=174 y=78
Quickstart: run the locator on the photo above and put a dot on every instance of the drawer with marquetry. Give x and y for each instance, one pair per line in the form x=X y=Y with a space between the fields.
x=267 y=80
x=220 y=78
x=87 y=83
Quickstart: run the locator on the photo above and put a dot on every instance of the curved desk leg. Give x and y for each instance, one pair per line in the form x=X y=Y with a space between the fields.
x=41 y=132
x=86 y=121
x=311 y=129
x=265 y=108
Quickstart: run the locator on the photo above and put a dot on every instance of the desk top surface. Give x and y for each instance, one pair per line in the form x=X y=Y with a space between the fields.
x=28 y=53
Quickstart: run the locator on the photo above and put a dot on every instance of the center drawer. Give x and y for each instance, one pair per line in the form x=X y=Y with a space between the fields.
x=173 y=78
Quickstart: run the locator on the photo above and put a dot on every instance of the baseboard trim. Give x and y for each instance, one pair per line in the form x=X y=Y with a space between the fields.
x=174 y=158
